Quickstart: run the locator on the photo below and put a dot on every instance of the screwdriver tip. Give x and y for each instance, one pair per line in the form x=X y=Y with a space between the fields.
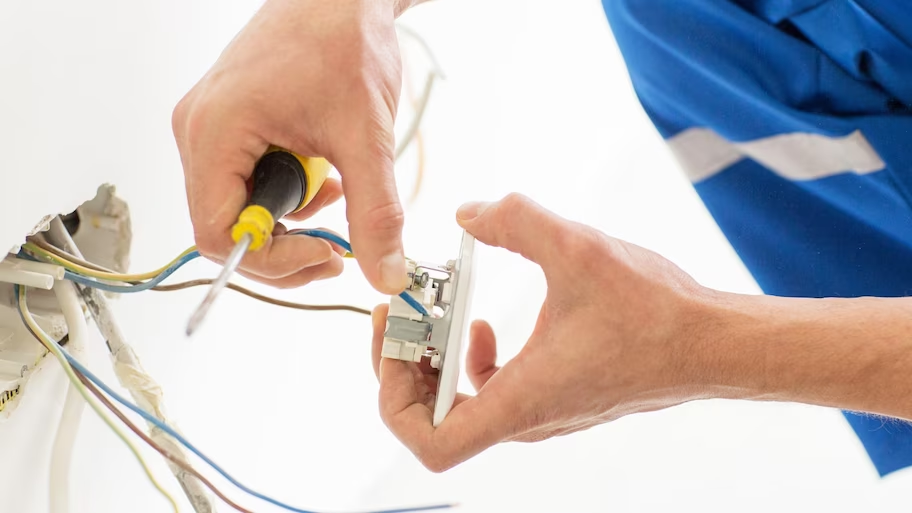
x=200 y=313
x=231 y=265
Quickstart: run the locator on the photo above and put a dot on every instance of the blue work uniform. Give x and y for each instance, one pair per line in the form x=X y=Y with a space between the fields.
x=793 y=119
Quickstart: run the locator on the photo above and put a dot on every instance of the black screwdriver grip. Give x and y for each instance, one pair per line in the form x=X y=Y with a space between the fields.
x=279 y=184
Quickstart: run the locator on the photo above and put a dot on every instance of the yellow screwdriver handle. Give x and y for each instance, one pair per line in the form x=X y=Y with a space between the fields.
x=283 y=183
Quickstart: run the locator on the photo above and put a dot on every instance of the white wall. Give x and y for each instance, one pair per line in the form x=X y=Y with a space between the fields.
x=537 y=101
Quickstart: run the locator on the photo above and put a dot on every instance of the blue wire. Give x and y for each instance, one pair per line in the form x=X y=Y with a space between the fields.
x=183 y=441
x=321 y=234
x=128 y=289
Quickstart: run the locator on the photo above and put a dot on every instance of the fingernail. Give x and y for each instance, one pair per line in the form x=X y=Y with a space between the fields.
x=469 y=211
x=392 y=272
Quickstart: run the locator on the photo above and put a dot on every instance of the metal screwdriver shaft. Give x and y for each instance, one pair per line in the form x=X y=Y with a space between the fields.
x=231 y=265
x=282 y=183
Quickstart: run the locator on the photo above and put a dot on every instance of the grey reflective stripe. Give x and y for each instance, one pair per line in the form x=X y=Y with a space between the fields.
x=796 y=156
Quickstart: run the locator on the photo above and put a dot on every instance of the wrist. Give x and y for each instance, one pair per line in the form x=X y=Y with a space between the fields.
x=707 y=362
x=728 y=359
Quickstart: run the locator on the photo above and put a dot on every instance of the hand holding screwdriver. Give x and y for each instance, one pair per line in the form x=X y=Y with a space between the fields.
x=282 y=184
x=289 y=78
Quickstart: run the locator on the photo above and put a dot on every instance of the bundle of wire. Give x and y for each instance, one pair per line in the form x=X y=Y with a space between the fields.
x=86 y=382
x=106 y=280
x=92 y=275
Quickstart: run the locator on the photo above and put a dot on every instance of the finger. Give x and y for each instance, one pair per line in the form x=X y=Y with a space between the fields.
x=286 y=255
x=329 y=194
x=337 y=248
x=218 y=160
x=481 y=357
x=374 y=212
x=324 y=271
x=473 y=425
x=517 y=224
x=378 y=321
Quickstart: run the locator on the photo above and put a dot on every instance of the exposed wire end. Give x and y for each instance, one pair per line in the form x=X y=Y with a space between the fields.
x=344 y=244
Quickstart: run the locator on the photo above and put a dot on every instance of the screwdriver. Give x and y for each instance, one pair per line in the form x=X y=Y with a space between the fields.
x=282 y=183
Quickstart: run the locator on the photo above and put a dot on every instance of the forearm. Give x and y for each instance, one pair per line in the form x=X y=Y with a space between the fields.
x=853 y=354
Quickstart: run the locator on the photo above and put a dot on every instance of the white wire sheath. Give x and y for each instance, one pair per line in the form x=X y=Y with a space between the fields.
x=419 y=115
x=26 y=278
x=62 y=452
x=435 y=73
x=145 y=391
x=36 y=267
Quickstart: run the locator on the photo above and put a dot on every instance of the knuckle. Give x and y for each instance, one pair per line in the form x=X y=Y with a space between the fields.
x=387 y=217
x=179 y=116
x=582 y=242
x=514 y=201
x=209 y=246
x=333 y=268
x=190 y=117
x=435 y=463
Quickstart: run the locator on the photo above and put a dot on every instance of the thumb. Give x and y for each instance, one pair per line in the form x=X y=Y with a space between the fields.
x=473 y=425
x=375 y=216
x=481 y=358
x=517 y=224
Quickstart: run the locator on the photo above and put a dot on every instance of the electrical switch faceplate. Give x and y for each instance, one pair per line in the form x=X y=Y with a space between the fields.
x=413 y=336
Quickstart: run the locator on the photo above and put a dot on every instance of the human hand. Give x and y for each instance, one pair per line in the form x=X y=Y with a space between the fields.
x=320 y=79
x=614 y=337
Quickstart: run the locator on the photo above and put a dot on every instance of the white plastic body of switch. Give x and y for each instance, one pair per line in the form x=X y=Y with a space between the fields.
x=410 y=335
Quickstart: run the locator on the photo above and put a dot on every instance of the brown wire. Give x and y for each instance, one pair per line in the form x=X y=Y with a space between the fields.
x=139 y=432
x=265 y=299
x=38 y=241
x=50 y=248
x=120 y=415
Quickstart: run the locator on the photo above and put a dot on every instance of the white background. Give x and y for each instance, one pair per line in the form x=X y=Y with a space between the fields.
x=536 y=101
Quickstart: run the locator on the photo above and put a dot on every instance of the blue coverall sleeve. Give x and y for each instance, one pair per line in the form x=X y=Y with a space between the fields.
x=769 y=83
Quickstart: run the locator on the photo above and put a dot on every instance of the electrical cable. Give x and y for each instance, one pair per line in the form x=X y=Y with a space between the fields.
x=408 y=91
x=203 y=282
x=419 y=115
x=130 y=373
x=186 y=467
x=187 y=256
x=260 y=297
x=139 y=287
x=113 y=276
x=69 y=257
x=335 y=239
x=73 y=405
x=66 y=362
x=420 y=107
x=183 y=441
